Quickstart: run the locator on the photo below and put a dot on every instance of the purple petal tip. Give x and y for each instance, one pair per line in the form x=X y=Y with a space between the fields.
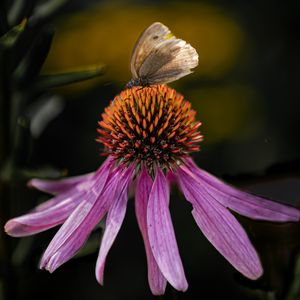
x=257 y=275
x=50 y=264
x=246 y=204
x=100 y=279
x=15 y=229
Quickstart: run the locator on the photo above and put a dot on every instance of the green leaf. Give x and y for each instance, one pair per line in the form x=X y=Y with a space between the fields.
x=55 y=80
x=43 y=111
x=44 y=12
x=3 y=18
x=32 y=63
x=10 y=38
x=20 y=9
x=9 y=172
x=45 y=172
x=15 y=44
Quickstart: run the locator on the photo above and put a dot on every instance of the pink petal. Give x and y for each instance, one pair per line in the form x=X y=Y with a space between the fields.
x=58 y=186
x=246 y=204
x=157 y=282
x=161 y=234
x=84 y=187
x=74 y=232
x=114 y=221
x=43 y=219
x=222 y=229
x=54 y=211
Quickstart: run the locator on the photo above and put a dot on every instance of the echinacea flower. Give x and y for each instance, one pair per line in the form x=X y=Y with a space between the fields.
x=148 y=134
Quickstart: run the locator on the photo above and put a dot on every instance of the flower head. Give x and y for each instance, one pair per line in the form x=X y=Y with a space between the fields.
x=153 y=126
x=148 y=134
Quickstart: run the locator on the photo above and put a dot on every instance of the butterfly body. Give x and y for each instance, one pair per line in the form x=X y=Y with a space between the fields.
x=158 y=57
x=138 y=82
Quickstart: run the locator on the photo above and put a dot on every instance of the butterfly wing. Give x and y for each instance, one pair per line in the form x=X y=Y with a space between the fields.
x=147 y=43
x=169 y=61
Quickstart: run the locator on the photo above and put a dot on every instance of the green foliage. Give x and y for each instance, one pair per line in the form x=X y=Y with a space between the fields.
x=24 y=48
x=26 y=35
x=55 y=80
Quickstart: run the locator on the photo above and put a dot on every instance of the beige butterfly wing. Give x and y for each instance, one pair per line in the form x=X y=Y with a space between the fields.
x=163 y=61
x=148 y=41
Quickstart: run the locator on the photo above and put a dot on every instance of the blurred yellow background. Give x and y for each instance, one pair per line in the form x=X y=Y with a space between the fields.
x=106 y=35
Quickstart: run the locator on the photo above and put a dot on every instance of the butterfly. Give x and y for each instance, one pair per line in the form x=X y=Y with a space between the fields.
x=158 y=57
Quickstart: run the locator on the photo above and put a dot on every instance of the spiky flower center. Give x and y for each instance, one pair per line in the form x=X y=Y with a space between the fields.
x=154 y=125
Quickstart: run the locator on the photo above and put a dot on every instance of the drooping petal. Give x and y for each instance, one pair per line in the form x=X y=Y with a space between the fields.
x=74 y=232
x=222 y=229
x=114 y=221
x=55 y=187
x=161 y=234
x=54 y=213
x=157 y=282
x=84 y=187
x=246 y=204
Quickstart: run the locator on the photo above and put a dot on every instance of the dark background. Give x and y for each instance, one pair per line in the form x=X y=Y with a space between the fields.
x=246 y=92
